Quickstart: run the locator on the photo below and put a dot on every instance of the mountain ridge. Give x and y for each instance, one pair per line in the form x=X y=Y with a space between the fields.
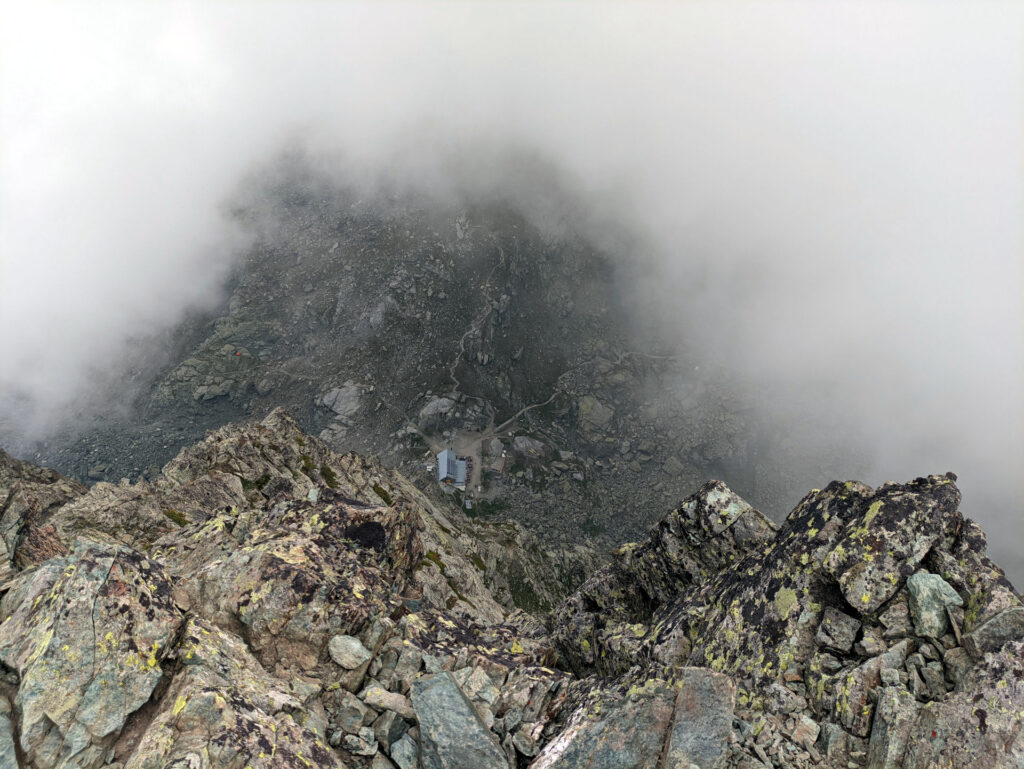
x=267 y=602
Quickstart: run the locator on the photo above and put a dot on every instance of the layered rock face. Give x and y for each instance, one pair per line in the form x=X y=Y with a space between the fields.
x=265 y=602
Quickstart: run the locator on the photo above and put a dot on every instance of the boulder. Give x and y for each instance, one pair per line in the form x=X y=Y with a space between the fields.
x=87 y=640
x=594 y=416
x=929 y=595
x=702 y=721
x=452 y=735
x=348 y=652
x=343 y=401
x=405 y=753
x=891 y=730
x=615 y=732
x=837 y=630
x=889 y=537
x=8 y=753
x=991 y=636
x=381 y=699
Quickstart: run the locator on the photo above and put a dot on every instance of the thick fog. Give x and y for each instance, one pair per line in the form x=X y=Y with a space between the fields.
x=825 y=199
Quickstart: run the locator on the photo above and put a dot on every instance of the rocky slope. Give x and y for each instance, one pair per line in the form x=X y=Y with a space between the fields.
x=266 y=602
x=395 y=325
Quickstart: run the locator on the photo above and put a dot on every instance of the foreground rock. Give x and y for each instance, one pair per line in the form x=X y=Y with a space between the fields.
x=265 y=602
x=815 y=621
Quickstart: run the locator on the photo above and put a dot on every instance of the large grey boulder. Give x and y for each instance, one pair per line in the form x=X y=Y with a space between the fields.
x=343 y=401
x=930 y=594
x=452 y=736
x=594 y=416
x=894 y=531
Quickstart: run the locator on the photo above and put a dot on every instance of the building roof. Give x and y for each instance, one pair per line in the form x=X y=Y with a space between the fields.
x=450 y=467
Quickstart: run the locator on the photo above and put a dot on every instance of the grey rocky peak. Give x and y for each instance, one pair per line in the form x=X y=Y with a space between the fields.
x=401 y=325
x=265 y=602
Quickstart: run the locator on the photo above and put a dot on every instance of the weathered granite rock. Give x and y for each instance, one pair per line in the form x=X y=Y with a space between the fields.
x=929 y=595
x=702 y=720
x=991 y=636
x=892 y=728
x=8 y=753
x=87 y=640
x=980 y=726
x=894 y=532
x=389 y=729
x=382 y=699
x=348 y=651
x=29 y=496
x=603 y=732
x=603 y=626
x=594 y=416
x=837 y=630
x=404 y=753
x=224 y=705
x=451 y=733
x=684 y=723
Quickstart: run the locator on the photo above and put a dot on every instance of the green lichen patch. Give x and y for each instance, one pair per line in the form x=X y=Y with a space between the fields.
x=381 y=492
x=174 y=515
x=330 y=477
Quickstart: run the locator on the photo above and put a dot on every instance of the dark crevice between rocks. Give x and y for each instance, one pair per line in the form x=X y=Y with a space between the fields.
x=9 y=687
x=137 y=723
x=667 y=740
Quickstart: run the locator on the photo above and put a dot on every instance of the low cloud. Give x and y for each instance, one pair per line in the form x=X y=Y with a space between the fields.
x=824 y=199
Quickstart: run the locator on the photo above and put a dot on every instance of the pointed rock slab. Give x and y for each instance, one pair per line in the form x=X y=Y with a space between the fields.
x=451 y=733
x=87 y=641
x=892 y=729
x=703 y=720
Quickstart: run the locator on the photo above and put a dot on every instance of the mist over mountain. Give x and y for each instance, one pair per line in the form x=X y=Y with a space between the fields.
x=816 y=208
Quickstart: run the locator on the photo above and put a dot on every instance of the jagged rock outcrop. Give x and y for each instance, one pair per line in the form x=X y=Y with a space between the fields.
x=28 y=495
x=816 y=620
x=265 y=602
